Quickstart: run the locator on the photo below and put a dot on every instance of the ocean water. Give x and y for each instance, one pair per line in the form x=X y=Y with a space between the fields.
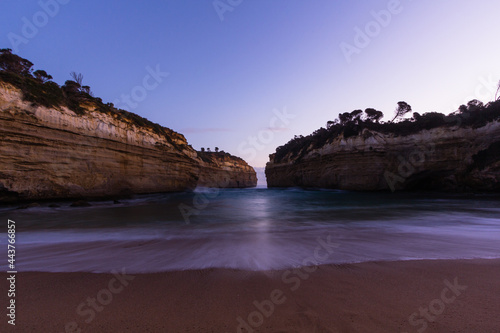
x=252 y=229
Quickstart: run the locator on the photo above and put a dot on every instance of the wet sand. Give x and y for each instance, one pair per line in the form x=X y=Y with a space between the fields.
x=409 y=296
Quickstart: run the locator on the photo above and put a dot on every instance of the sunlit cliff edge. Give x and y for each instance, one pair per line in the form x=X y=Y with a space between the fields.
x=57 y=153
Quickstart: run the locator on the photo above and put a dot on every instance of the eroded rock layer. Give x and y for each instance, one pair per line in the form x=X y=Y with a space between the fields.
x=223 y=170
x=442 y=159
x=56 y=153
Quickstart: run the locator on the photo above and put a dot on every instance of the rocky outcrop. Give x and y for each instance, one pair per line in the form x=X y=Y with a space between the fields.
x=56 y=153
x=221 y=169
x=442 y=158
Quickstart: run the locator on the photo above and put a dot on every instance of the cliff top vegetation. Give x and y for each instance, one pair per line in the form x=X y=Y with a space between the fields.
x=39 y=89
x=208 y=156
x=475 y=114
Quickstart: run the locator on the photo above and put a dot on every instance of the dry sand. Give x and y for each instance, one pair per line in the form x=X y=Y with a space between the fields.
x=366 y=297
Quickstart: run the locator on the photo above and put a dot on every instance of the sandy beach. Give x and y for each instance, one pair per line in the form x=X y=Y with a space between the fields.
x=408 y=296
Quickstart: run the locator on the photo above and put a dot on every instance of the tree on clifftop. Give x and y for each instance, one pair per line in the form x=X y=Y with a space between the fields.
x=373 y=115
x=331 y=123
x=42 y=76
x=13 y=63
x=71 y=87
x=78 y=78
x=403 y=108
x=348 y=117
x=474 y=105
x=356 y=115
x=344 y=118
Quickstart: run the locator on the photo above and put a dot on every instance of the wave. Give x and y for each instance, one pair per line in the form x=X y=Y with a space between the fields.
x=253 y=230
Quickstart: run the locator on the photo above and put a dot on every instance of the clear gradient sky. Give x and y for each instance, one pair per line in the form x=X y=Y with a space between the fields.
x=229 y=78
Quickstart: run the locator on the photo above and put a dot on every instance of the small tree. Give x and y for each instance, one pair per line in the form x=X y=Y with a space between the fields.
x=344 y=118
x=42 y=76
x=356 y=115
x=71 y=87
x=86 y=89
x=463 y=109
x=347 y=117
x=475 y=105
x=373 y=115
x=78 y=78
x=13 y=63
x=330 y=123
x=403 y=108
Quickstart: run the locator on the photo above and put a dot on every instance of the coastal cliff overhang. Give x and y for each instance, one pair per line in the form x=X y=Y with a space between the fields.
x=451 y=158
x=57 y=153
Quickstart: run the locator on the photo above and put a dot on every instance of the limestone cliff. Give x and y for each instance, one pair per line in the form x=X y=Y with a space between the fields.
x=55 y=152
x=447 y=158
x=221 y=169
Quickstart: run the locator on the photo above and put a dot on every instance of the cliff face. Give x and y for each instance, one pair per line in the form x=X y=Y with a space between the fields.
x=56 y=153
x=443 y=158
x=224 y=170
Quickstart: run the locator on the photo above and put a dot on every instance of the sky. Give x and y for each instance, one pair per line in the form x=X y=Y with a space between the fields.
x=248 y=75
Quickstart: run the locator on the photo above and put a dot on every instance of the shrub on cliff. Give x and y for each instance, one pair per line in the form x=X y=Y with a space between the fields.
x=209 y=157
x=13 y=63
x=403 y=108
x=475 y=114
x=42 y=76
x=47 y=94
x=373 y=115
x=38 y=89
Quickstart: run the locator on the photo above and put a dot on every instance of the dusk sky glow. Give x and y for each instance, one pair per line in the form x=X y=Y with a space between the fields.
x=270 y=69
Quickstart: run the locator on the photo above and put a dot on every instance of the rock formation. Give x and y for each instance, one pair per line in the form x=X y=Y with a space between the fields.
x=444 y=158
x=55 y=152
x=223 y=170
